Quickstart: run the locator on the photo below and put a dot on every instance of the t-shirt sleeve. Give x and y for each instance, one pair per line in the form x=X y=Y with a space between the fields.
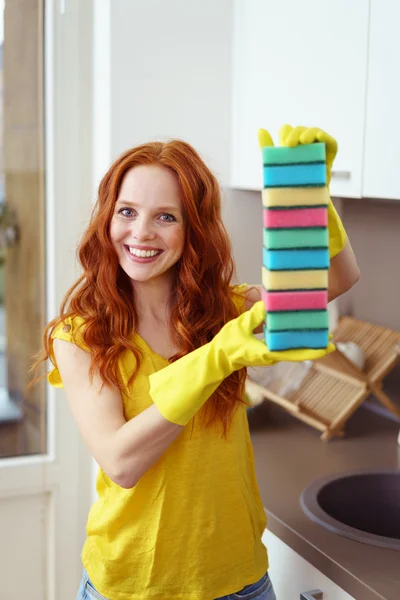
x=69 y=330
x=337 y=233
x=238 y=295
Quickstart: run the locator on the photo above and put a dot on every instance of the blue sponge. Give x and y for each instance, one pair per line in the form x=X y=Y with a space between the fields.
x=295 y=260
x=285 y=340
x=310 y=175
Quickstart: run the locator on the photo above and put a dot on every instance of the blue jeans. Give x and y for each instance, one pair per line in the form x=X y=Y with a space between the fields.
x=261 y=590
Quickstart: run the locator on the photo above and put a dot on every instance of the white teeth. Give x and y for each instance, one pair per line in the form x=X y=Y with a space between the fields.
x=143 y=253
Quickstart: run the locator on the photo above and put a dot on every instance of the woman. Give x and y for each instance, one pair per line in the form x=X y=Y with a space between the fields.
x=151 y=347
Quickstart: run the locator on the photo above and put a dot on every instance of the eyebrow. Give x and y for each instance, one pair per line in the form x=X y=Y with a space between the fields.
x=169 y=208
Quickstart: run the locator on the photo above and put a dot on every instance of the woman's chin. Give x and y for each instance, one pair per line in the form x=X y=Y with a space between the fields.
x=145 y=275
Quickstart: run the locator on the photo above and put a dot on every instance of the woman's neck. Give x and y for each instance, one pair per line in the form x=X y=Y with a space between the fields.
x=153 y=300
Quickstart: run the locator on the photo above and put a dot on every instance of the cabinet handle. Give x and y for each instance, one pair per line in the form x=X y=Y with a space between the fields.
x=314 y=595
x=341 y=174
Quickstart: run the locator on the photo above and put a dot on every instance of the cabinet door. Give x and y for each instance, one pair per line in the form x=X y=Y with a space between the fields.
x=382 y=150
x=302 y=63
x=291 y=574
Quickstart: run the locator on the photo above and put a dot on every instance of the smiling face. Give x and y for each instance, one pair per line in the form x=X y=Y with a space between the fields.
x=147 y=228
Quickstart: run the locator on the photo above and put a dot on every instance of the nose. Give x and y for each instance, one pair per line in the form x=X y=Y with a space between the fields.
x=143 y=229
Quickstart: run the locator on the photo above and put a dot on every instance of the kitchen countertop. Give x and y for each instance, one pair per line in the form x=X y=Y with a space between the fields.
x=289 y=456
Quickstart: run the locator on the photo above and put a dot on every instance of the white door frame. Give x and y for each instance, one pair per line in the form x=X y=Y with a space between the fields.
x=69 y=25
x=62 y=477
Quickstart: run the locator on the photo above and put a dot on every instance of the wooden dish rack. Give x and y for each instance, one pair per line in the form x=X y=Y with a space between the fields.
x=334 y=387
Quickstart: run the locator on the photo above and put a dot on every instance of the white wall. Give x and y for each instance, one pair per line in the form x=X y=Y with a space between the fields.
x=242 y=214
x=171 y=75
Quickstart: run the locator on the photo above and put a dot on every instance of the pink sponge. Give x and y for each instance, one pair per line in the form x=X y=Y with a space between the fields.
x=308 y=300
x=299 y=217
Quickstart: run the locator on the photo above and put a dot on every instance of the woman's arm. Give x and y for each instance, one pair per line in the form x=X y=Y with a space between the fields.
x=125 y=450
x=343 y=272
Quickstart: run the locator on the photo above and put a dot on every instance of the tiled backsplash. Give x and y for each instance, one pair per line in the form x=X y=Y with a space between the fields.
x=373 y=227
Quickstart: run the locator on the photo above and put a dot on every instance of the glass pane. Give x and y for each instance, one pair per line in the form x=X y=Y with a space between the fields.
x=22 y=225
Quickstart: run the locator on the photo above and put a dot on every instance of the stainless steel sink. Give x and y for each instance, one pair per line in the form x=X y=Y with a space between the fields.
x=363 y=506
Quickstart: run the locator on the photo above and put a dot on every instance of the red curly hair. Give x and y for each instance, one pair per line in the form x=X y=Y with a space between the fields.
x=102 y=296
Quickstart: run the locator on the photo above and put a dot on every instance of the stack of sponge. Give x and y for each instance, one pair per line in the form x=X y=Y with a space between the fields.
x=295 y=247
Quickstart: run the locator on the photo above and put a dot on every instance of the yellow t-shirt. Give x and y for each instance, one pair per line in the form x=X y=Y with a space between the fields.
x=191 y=527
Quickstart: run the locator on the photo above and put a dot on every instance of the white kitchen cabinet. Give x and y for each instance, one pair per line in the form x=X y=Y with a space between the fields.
x=382 y=137
x=291 y=574
x=302 y=63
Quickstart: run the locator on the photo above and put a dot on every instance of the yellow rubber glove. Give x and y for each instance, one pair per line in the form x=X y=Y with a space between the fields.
x=291 y=137
x=180 y=389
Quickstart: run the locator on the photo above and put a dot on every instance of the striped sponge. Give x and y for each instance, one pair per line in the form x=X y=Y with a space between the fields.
x=295 y=247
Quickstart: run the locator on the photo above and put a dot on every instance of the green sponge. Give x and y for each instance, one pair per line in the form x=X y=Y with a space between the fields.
x=281 y=155
x=286 y=321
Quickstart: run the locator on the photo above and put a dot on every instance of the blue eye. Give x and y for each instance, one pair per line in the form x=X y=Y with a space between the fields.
x=126 y=212
x=169 y=218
